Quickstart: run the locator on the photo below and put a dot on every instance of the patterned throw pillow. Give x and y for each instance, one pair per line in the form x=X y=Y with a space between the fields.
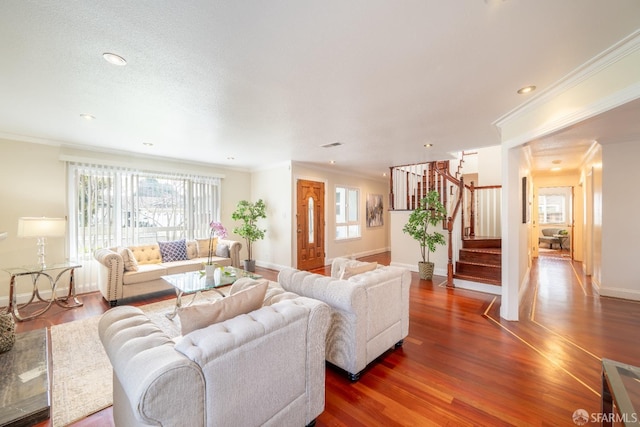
x=173 y=251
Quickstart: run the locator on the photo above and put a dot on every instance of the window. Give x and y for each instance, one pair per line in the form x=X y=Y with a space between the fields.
x=551 y=209
x=347 y=213
x=119 y=207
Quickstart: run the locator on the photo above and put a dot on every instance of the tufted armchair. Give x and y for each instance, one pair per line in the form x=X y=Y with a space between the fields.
x=264 y=368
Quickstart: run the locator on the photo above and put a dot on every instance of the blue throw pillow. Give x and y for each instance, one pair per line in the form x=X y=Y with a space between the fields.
x=173 y=251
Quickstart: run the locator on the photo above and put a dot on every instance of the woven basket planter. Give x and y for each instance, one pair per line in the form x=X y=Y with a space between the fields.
x=425 y=270
x=7 y=332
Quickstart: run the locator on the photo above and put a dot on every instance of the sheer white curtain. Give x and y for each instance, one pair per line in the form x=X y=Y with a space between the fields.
x=111 y=206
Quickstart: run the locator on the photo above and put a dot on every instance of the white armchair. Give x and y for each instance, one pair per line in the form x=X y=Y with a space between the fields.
x=370 y=312
x=221 y=375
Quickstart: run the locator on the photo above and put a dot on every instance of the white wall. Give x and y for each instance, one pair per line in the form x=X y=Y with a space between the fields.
x=489 y=166
x=273 y=185
x=620 y=233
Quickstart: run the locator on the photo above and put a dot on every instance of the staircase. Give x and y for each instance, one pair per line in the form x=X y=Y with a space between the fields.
x=480 y=260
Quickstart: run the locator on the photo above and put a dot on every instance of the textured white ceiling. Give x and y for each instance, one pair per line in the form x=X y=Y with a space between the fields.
x=268 y=81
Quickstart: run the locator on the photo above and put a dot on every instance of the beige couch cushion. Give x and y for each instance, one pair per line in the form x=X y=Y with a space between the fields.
x=203 y=247
x=145 y=273
x=147 y=254
x=202 y=315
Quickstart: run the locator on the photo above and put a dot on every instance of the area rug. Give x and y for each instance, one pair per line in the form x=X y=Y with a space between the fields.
x=82 y=374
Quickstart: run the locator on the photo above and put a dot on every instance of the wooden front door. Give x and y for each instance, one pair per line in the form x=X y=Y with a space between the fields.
x=310 y=224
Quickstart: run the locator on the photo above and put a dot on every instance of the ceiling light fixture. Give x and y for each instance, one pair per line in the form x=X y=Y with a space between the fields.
x=556 y=169
x=114 y=59
x=428 y=145
x=333 y=162
x=556 y=162
x=148 y=144
x=526 y=89
x=231 y=158
x=87 y=116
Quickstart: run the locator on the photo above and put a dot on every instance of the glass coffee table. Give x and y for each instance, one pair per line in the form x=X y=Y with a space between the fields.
x=620 y=389
x=195 y=282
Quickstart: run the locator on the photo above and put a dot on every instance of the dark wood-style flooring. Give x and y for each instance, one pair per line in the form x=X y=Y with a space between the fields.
x=464 y=366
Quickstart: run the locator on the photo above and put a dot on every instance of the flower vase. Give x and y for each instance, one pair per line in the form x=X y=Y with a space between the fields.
x=209 y=270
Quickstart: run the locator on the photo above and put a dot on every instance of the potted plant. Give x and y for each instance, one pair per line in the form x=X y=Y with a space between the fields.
x=249 y=213
x=430 y=212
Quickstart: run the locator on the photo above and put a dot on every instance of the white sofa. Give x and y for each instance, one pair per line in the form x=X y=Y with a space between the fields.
x=116 y=281
x=370 y=310
x=264 y=368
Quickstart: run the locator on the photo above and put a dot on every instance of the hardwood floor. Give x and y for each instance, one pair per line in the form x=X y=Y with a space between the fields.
x=462 y=365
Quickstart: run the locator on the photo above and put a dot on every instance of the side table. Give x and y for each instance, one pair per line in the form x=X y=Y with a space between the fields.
x=35 y=272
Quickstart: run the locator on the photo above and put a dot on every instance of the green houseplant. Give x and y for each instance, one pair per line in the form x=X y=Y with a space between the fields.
x=249 y=213
x=429 y=212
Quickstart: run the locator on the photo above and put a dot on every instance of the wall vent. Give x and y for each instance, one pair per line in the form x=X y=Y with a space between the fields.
x=333 y=144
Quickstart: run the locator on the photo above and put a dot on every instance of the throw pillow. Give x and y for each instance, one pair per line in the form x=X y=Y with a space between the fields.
x=352 y=270
x=203 y=247
x=222 y=250
x=130 y=262
x=202 y=315
x=173 y=251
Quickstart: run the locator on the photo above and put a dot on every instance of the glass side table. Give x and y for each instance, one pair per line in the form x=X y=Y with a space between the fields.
x=620 y=387
x=53 y=273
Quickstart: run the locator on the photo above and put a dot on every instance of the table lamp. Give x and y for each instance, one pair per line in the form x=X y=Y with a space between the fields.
x=41 y=228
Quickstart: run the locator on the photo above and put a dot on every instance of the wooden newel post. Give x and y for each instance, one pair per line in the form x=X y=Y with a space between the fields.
x=450 y=283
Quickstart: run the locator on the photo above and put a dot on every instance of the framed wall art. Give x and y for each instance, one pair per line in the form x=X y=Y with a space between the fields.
x=375 y=210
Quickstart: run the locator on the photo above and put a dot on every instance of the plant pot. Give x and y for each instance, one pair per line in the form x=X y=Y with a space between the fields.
x=250 y=265
x=7 y=332
x=425 y=270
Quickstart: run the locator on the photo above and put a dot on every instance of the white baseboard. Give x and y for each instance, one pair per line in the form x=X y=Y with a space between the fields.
x=477 y=286
x=630 y=294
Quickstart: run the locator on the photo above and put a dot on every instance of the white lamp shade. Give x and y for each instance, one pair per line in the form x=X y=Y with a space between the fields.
x=41 y=227
x=3 y=235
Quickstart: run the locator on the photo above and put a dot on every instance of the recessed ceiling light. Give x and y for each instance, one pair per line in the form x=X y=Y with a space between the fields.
x=556 y=162
x=147 y=144
x=231 y=158
x=556 y=169
x=87 y=116
x=114 y=59
x=333 y=162
x=428 y=145
x=526 y=89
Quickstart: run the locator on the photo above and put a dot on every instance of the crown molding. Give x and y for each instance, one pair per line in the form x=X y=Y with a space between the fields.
x=605 y=59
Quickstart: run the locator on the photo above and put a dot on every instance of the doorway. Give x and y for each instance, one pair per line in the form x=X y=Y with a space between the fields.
x=556 y=221
x=310 y=224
